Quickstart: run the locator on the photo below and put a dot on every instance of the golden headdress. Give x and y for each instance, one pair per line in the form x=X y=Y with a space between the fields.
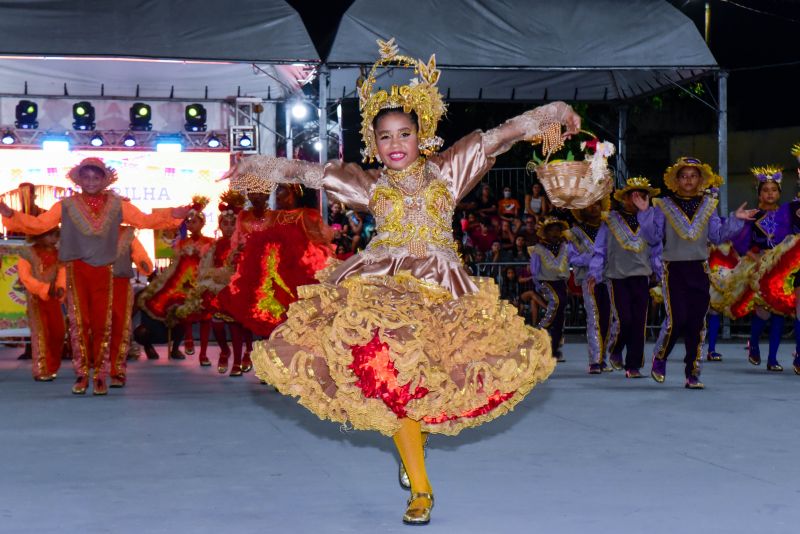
x=549 y=220
x=231 y=203
x=199 y=203
x=605 y=206
x=637 y=183
x=767 y=173
x=420 y=96
x=709 y=177
x=110 y=173
x=796 y=151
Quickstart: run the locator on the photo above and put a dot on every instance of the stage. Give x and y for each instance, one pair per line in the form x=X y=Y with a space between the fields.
x=184 y=449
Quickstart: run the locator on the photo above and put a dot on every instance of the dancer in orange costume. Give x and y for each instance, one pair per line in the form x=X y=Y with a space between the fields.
x=44 y=279
x=129 y=251
x=171 y=288
x=214 y=275
x=90 y=223
x=275 y=252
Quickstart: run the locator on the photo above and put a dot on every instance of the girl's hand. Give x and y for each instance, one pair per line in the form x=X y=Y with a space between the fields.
x=640 y=200
x=745 y=215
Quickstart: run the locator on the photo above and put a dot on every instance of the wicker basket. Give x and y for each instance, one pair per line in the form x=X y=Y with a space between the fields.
x=569 y=184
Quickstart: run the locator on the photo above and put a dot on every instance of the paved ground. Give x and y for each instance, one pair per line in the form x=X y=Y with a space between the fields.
x=183 y=449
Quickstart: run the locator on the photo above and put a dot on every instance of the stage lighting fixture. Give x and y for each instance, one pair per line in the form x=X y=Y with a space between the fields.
x=245 y=141
x=318 y=145
x=195 y=118
x=141 y=117
x=8 y=138
x=26 y=113
x=299 y=110
x=129 y=141
x=83 y=113
x=213 y=142
x=169 y=144
x=97 y=140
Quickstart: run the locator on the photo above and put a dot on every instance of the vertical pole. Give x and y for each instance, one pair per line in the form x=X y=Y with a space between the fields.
x=722 y=156
x=324 y=77
x=287 y=116
x=708 y=22
x=622 y=150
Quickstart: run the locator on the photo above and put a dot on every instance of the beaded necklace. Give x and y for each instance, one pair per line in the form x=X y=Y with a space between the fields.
x=416 y=170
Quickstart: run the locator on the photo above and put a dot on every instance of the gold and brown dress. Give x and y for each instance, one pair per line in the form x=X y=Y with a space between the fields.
x=400 y=329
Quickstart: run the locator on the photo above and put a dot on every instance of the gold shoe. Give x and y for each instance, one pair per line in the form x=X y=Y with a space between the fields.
x=402 y=477
x=418 y=514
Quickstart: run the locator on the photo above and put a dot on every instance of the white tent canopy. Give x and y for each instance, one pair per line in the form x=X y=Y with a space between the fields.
x=46 y=45
x=528 y=50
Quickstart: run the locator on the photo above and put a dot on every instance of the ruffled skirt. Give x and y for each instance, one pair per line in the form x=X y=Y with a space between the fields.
x=374 y=349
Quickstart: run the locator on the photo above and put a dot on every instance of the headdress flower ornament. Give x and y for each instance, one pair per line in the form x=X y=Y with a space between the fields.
x=231 y=203
x=420 y=96
x=709 y=177
x=110 y=173
x=768 y=173
x=550 y=221
x=637 y=183
x=199 y=203
x=796 y=151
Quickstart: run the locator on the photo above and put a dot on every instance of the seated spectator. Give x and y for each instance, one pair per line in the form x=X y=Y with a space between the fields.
x=356 y=229
x=341 y=238
x=507 y=236
x=508 y=207
x=336 y=214
x=536 y=202
x=482 y=238
x=520 y=250
x=528 y=231
x=485 y=205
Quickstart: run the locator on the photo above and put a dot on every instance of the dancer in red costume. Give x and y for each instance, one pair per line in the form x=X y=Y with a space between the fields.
x=90 y=223
x=171 y=288
x=129 y=252
x=45 y=281
x=275 y=251
x=214 y=275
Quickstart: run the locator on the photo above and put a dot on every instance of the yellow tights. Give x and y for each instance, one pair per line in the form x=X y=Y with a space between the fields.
x=409 y=441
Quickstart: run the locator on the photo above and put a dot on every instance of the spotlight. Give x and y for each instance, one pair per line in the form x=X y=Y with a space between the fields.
x=213 y=141
x=83 y=113
x=318 y=145
x=26 y=113
x=141 y=116
x=299 y=111
x=129 y=141
x=55 y=144
x=169 y=144
x=245 y=141
x=195 y=118
x=8 y=138
x=97 y=140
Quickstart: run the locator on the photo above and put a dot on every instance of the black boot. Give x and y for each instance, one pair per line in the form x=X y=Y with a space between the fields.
x=142 y=336
x=177 y=336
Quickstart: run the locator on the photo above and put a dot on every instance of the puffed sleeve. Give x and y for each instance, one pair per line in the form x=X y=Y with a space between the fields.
x=597 y=264
x=576 y=258
x=721 y=230
x=34 y=225
x=32 y=284
x=464 y=164
x=651 y=225
x=140 y=257
x=160 y=218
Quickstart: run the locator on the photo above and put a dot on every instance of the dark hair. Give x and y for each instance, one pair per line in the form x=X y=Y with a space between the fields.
x=411 y=114
x=761 y=184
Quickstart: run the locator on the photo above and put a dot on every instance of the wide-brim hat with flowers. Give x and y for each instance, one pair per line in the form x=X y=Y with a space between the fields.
x=109 y=172
x=550 y=221
x=709 y=177
x=637 y=183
